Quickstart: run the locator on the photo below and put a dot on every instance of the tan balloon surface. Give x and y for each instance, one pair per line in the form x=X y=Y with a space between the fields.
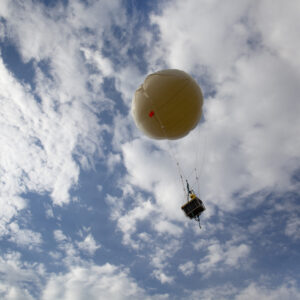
x=168 y=105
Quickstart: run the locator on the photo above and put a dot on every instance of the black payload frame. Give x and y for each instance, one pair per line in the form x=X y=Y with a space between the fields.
x=193 y=208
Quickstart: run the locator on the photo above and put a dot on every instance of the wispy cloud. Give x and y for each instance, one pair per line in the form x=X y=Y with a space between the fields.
x=220 y=257
x=19 y=279
x=260 y=290
x=187 y=268
x=24 y=237
x=88 y=245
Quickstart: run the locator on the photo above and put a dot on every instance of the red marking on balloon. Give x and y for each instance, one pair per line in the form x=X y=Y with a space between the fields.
x=151 y=113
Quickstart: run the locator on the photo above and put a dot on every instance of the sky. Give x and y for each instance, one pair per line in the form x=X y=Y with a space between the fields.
x=90 y=207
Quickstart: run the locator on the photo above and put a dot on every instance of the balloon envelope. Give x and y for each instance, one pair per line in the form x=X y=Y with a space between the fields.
x=168 y=105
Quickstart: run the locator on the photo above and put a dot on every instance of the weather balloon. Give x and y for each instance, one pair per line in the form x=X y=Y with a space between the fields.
x=168 y=105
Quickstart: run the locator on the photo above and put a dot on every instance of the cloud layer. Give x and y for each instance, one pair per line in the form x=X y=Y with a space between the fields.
x=91 y=208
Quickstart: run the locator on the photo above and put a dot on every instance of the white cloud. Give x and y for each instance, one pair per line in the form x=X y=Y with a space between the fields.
x=244 y=54
x=71 y=255
x=260 y=223
x=235 y=254
x=18 y=279
x=33 y=160
x=24 y=237
x=49 y=211
x=160 y=275
x=113 y=160
x=223 y=292
x=152 y=169
x=69 y=249
x=160 y=252
x=39 y=140
x=14 y=293
x=25 y=281
x=59 y=235
x=221 y=257
x=127 y=223
x=97 y=60
x=203 y=243
x=126 y=86
x=293 y=227
x=192 y=34
x=187 y=268
x=163 y=226
x=10 y=206
x=95 y=282
x=160 y=258
x=254 y=290
x=55 y=255
x=287 y=290
x=88 y=245
x=279 y=28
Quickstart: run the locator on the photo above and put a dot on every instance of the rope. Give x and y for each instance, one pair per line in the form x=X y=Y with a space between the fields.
x=197 y=181
x=197 y=167
x=181 y=174
x=182 y=181
x=197 y=219
x=203 y=157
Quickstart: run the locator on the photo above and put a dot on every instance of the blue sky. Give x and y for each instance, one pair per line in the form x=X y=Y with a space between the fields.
x=90 y=208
